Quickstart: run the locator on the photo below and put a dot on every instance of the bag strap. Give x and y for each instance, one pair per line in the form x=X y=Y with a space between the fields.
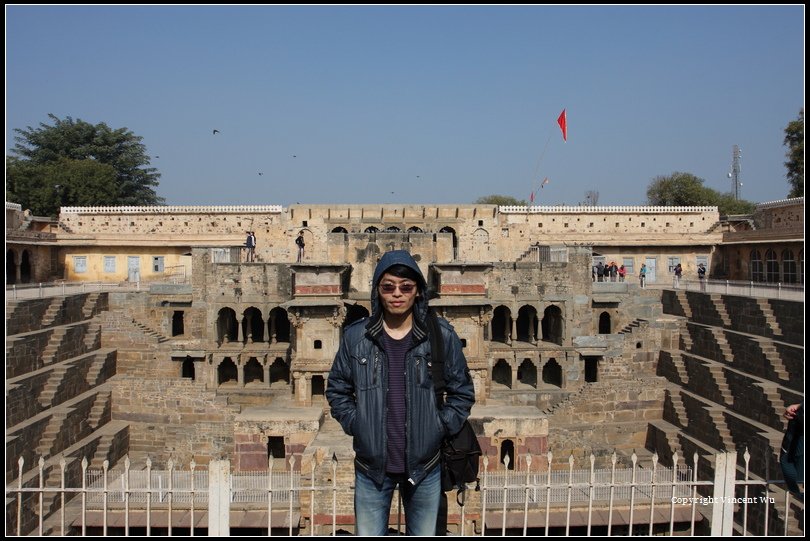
x=437 y=355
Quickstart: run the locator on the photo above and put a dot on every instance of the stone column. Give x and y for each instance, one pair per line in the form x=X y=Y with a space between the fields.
x=514 y=371
x=532 y=326
x=269 y=327
x=212 y=373
x=249 y=329
x=239 y=332
x=513 y=335
x=240 y=370
x=303 y=391
x=266 y=367
x=272 y=321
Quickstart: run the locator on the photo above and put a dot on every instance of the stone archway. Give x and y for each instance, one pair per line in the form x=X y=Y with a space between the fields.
x=26 y=268
x=227 y=372
x=508 y=450
x=11 y=267
x=227 y=326
x=502 y=373
x=527 y=324
x=552 y=373
x=253 y=372
x=501 y=325
x=605 y=325
x=279 y=325
x=553 y=325
x=253 y=325
x=527 y=373
x=279 y=372
x=354 y=312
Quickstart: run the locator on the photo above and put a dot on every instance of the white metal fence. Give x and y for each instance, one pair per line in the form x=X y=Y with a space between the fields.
x=62 y=288
x=543 y=496
x=793 y=292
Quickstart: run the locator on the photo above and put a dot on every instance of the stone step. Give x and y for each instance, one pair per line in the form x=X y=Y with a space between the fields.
x=50 y=433
x=92 y=339
x=674 y=397
x=770 y=317
x=149 y=331
x=671 y=432
x=54 y=343
x=771 y=354
x=51 y=387
x=90 y=303
x=683 y=300
x=105 y=444
x=721 y=427
x=720 y=307
x=52 y=312
x=719 y=376
x=98 y=409
x=98 y=364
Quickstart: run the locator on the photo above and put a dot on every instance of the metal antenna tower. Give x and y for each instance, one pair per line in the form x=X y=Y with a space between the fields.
x=735 y=171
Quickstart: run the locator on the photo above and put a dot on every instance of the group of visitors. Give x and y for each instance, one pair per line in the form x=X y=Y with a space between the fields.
x=601 y=272
x=610 y=272
x=250 y=244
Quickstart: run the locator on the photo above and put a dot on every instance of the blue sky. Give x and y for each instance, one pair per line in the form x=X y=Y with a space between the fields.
x=430 y=104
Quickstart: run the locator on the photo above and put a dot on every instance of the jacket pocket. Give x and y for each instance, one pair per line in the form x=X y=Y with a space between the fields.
x=367 y=372
x=424 y=371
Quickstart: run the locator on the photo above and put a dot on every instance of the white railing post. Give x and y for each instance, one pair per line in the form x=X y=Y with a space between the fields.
x=219 y=498
x=723 y=497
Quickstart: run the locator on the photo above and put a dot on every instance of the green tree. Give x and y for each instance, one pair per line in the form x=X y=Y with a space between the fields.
x=685 y=190
x=90 y=164
x=63 y=182
x=501 y=200
x=794 y=140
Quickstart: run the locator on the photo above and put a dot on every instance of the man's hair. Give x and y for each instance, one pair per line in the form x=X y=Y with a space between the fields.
x=404 y=271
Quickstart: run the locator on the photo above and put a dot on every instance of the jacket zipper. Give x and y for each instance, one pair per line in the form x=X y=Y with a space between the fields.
x=376 y=367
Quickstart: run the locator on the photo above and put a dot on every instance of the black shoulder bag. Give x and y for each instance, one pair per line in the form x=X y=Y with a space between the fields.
x=461 y=451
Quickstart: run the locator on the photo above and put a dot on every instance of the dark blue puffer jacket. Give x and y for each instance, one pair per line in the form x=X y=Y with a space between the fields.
x=359 y=376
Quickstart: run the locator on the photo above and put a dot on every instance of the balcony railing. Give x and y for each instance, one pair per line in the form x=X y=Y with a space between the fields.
x=642 y=496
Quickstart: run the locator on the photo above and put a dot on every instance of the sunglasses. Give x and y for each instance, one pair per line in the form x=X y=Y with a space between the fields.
x=405 y=289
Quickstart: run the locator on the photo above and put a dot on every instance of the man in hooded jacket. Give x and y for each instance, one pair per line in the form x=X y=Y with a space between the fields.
x=381 y=392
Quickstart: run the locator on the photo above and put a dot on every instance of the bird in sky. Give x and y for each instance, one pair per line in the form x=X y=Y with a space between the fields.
x=260 y=173
x=216 y=132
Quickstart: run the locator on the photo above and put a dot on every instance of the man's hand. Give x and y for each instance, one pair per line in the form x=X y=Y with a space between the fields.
x=790 y=411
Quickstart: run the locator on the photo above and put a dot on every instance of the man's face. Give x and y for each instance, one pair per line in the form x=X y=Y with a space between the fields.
x=394 y=300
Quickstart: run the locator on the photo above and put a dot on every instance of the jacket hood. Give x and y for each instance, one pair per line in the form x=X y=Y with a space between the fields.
x=388 y=260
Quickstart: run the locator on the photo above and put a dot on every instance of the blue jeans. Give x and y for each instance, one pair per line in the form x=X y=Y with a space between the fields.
x=372 y=503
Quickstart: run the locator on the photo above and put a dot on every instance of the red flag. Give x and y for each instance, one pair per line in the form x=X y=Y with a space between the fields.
x=531 y=198
x=563 y=122
x=545 y=181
